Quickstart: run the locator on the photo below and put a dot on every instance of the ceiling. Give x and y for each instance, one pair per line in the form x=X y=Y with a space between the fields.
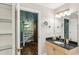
x=51 y=5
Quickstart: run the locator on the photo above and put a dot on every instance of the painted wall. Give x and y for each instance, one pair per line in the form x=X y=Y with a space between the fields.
x=44 y=31
x=73 y=27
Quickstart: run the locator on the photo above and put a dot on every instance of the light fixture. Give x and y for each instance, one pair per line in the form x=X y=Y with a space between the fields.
x=63 y=13
x=69 y=13
x=58 y=16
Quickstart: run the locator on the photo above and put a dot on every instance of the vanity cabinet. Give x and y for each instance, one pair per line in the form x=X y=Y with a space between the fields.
x=59 y=51
x=53 y=49
x=49 y=48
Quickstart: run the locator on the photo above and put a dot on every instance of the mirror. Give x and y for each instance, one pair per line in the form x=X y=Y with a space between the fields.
x=66 y=26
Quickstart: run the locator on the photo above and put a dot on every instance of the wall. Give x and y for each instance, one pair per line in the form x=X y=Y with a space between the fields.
x=44 y=31
x=73 y=27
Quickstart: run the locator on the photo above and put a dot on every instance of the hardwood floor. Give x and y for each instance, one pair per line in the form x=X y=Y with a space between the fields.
x=30 y=49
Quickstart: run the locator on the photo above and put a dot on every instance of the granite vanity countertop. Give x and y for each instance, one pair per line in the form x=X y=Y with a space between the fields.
x=69 y=46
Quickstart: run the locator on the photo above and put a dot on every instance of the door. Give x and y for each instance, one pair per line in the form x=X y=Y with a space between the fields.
x=27 y=32
x=66 y=28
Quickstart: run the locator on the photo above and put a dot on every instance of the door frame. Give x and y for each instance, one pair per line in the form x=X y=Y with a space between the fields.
x=18 y=24
x=13 y=29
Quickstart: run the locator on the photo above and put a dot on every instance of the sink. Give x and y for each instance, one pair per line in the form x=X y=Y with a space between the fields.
x=57 y=42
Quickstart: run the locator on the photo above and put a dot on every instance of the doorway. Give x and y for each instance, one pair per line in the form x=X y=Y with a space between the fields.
x=66 y=28
x=28 y=33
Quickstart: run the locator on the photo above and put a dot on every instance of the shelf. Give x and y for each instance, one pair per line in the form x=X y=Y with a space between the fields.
x=5 y=20
x=5 y=47
x=5 y=33
x=26 y=24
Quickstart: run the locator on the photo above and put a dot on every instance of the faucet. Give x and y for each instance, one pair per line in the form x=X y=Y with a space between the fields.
x=66 y=41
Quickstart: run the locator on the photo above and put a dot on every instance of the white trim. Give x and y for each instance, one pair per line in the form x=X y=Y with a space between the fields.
x=18 y=27
x=78 y=29
x=13 y=29
x=29 y=9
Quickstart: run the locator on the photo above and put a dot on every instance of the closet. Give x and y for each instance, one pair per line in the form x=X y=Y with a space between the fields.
x=5 y=29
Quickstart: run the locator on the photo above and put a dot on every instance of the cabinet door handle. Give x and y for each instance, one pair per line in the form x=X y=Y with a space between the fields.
x=54 y=49
x=19 y=49
x=64 y=53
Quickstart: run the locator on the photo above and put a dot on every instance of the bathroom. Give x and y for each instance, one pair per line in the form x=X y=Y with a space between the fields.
x=38 y=22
